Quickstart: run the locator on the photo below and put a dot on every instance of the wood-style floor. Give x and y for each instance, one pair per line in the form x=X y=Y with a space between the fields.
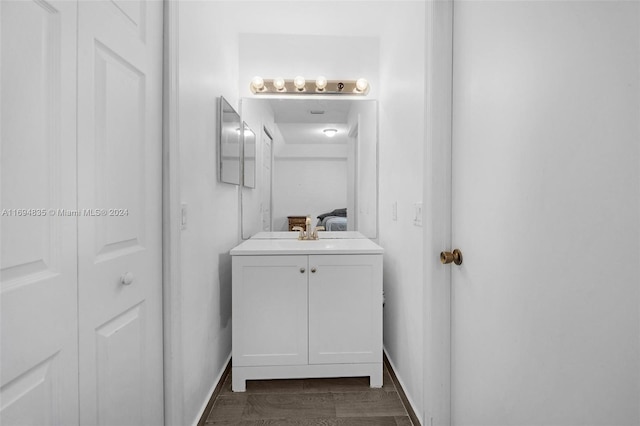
x=310 y=402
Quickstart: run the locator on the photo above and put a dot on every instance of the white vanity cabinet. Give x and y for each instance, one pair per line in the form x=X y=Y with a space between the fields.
x=306 y=311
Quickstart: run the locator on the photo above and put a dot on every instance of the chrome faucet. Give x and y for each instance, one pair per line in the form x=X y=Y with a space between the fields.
x=306 y=233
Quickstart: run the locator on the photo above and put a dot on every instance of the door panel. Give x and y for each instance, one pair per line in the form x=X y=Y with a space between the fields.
x=38 y=282
x=345 y=309
x=545 y=189
x=270 y=310
x=119 y=182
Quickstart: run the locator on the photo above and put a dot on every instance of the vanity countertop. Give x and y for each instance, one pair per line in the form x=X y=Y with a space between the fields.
x=282 y=246
x=324 y=235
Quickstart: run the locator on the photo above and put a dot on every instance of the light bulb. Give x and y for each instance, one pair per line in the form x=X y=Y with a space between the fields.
x=330 y=132
x=257 y=83
x=299 y=82
x=362 y=85
x=321 y=83
x=278 y=83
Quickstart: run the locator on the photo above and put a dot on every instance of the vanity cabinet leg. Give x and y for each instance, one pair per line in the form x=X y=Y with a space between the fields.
x=375 y=379
x=238 y=382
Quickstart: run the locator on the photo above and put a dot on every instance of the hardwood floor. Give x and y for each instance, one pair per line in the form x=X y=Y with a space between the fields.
x=310 y=402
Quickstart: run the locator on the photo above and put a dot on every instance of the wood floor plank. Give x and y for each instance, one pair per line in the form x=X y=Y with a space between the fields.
x=289 y=406
x=375 y=402
x=347 y=401
x=404 y=421
x=228 y=408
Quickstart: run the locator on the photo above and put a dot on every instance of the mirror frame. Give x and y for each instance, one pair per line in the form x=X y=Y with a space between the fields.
x=228 y=135
x=248 y=147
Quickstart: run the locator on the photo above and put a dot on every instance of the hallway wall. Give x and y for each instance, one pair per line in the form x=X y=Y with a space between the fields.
x=207 y=70
x=211 y=65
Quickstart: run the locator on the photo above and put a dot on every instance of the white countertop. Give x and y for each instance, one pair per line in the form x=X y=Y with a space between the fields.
x=282 y=246
x=292 y=235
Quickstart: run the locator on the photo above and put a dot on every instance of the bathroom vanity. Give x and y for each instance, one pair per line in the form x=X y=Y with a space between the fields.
x=304 y=309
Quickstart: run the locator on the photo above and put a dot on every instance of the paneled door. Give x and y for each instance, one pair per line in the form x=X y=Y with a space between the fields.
x=546 y=208
x=38 y=277
x=119 y=184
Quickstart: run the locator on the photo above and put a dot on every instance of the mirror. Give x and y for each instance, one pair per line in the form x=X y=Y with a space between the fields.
x=249 y=157
x=228 y=143
x=316 y=157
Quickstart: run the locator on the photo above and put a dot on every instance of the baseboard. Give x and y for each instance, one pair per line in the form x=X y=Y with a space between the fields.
x=213 y=393
x=412 y=406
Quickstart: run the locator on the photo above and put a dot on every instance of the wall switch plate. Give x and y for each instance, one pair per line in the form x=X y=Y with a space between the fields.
x=417 y=219
x=394 y=211
x=183 y=216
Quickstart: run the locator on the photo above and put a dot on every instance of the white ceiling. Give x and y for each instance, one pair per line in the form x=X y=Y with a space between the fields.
x=298 y=125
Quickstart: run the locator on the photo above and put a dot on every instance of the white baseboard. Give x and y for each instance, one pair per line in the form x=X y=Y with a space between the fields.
x=213 y=388
x=409 y=398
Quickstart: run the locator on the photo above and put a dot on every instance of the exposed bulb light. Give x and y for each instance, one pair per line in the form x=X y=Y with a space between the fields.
x=330 y=132
x=361 y=85
x=299 y=82
x=278 y=83
x=299 y=86
x=257 y=84
x=321 y=83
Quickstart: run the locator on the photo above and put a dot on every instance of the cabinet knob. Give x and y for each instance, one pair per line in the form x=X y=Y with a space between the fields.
x=313 y=270
x=127 y=278
x=302 y=270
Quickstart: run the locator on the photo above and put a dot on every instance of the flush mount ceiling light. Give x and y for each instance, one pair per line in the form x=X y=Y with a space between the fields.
x=330 y=132
x=300 y=85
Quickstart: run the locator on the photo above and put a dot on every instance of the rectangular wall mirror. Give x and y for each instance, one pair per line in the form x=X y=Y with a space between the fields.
x=229 y=138
x=315 y=157
x=249 y=157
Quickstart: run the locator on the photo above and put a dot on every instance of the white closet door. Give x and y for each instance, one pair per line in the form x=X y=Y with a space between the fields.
x=38 y=285
x=119 y=175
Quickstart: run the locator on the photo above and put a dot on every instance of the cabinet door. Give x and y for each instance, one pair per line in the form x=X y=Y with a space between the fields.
x=269 y=310
x=345 y=309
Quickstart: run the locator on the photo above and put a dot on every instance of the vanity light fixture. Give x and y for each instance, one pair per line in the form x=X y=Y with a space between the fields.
x=330 y=132
x=300 y=86
x=300 y=83
x=361 y=85
x=279 y=85
x=257 y=84
x=321 y=83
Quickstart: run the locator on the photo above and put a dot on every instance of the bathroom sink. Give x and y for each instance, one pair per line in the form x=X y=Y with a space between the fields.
x=282 y=246
x=323 y=235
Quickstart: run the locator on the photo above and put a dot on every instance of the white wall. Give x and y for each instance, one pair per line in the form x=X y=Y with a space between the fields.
x=307 y=187
x=402 y=135
x=207 y=69
x=209 y=38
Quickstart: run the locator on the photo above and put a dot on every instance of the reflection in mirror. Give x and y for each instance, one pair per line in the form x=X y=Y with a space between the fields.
x=229 y=143
x=249 y=157
x=317 y=157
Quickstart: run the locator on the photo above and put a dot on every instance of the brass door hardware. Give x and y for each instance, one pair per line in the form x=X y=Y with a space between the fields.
x=448 y=257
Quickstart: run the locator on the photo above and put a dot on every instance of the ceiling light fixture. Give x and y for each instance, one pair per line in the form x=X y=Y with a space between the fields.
x=330 y=132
